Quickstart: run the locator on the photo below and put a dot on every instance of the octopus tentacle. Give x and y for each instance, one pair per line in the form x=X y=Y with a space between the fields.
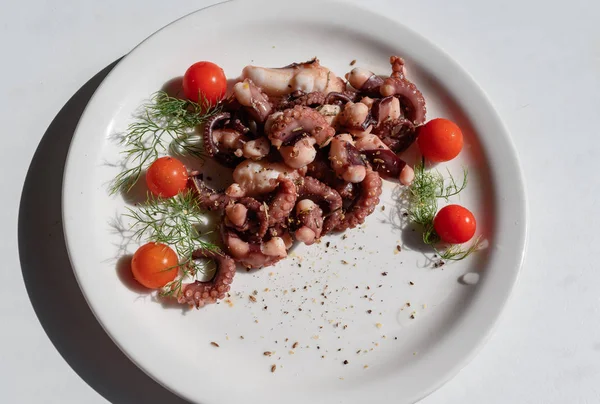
x=386 y=109
x=321 y=169
x=411 y=99
x=283 y=202
x=259 y=177
x=308 y=221
x=346 y=160
x=199 y=293
x=312 y=99
x=249 y=216
x=385 y=161
x=253 y=99
x=292 y=123
x=316 y=191
x=365 y=203
x=209 y=198
x=308 y=76
x=365 y=81
x=340 y=98
x=210 y=143
x=397 y=134
x=255 y=254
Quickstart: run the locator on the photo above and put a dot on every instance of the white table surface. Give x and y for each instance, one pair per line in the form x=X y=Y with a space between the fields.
x=540 y=64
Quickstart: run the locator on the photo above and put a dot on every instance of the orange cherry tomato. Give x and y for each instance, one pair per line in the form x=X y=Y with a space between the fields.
x=455 y=224
x=166 y=177
x=204 y=81
x=154 y=265
x=440 y=140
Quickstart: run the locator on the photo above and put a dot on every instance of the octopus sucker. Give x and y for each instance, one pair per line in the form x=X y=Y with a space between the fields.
x=355 y=116
x=256 y=149
x=300 y=154
x=312 y=100
x=199 y=293
x=307 y=77
x=365 y=203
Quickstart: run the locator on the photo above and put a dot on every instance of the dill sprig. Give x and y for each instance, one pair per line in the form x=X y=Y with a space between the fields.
x=456 y=253
x=144 y=140
x=424 y=192
x=173 y=221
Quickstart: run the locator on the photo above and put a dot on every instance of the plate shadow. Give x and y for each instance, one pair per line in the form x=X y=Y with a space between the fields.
x=51 y=285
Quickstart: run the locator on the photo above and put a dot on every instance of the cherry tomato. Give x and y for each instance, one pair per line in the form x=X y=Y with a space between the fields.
x=166 y=177
x=440 y=140
x=454 y=224
x=154 y=265
x=204 y=78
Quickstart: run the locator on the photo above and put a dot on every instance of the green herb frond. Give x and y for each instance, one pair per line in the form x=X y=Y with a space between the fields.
x=425 y=190
x=456 y=252
x=173 y=221
x=144 y=140
x=423 y=194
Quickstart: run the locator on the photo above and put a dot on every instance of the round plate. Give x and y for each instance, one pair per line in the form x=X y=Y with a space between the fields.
x=370 y=322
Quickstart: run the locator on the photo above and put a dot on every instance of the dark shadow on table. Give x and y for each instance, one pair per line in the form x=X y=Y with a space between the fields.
x=51 y=285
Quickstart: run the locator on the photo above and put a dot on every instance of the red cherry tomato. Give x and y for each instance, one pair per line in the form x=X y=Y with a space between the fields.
x=166 y=177
x=440 y=140
x=154 y=265
x=454 y=224
x=205 y=79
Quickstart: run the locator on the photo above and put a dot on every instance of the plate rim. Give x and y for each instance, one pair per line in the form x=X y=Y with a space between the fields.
x=521 y=232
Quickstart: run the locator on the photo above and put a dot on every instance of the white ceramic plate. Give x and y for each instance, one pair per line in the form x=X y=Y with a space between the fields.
x=401 y=359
